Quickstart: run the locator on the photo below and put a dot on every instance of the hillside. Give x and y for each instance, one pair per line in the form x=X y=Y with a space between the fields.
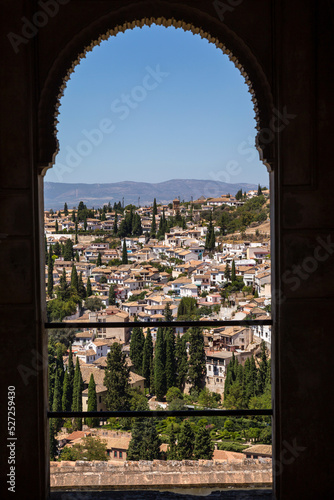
x=56 y=194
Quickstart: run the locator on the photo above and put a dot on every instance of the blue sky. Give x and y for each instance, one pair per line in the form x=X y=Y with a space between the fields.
x=154 y=104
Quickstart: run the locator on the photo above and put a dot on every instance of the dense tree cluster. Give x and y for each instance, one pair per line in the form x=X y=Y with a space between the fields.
x=248 y=386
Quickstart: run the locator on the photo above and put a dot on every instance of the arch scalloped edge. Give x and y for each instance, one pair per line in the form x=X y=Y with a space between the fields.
x=160 y=21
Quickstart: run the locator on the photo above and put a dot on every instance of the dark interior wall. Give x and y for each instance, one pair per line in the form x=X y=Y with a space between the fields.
x=286 y=49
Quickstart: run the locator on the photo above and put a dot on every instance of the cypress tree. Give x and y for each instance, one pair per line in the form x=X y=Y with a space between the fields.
x=233 y=275
x=56 y=249
x=85 y=223
x=181 y=362
x=159 y=365
x=92 y=403
x=57 y=401
x=137 y=229
x=152 y=377
x=70 y=369
x=74 y=278
x=124 y=253
x=76 y=232
x=65 y=209
x=153 y=227
x=56 y=227
x=203 y=447
x=170 y=366
x=185 y=445
x=196 y=372
x=227 y=273
x=145 y=442
x=259 y=190
x=81 y=287
x=77 y=395
x=115 y=228
x=116 y=380
x=53 y=442
x=68 y=250
x=98 y=260
x=147 y=358
x=168 y=313
x=112 y=295
x=60 y=364
x=136 y=348
x=89 y=288
x=172 y=449
x=66 y=399
x=73 y=216
x=262 y=371
x=50 y=273
x=210 y=239
x=155 y=209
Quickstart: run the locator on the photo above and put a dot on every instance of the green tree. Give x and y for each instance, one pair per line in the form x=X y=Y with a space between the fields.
x=181 y=362
x=57 y=249
x=116 y=380
x=50 y=273
x=77 y=395
x=147 y=358
x=210 y=239
x=227 y=273
x=203 y=447
x=67 y=396
x=91 y=448
x=53 y=441
x=145 y=442
x=93 y=304
x=68 y=250
x=168 y=313
x=262 y=371
x=233 y=275
x=196 y=371
x=259 y=190
x=65 y=209
x=98 y=260
x=159 y=365
x=155 y=209
x=73 y=217
x=153 y=227
x=185 y=445
x=115 y=227
x=124 y=253
x=81 y=287
x=170 y=366
x=74 y=278
x=92 y=403
x=172 y=448
x=89 y=288
x=136 y=348
x=112 y=295
x=57 y=401
x=238 y=196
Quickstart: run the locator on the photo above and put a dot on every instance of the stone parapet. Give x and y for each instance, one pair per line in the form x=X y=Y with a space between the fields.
x=158 y=473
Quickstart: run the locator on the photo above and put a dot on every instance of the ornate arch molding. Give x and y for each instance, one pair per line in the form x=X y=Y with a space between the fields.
x=191 y=20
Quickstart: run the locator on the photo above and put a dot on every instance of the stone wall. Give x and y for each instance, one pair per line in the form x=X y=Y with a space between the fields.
x=160 y=473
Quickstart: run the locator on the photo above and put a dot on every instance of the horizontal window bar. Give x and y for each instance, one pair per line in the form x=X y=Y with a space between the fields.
x=160 y=413
x=165 y=324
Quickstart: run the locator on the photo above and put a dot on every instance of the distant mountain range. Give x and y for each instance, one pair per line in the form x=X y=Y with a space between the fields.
x=56 y=194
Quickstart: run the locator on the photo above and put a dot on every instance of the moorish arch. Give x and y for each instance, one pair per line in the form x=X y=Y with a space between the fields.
x=213 y=30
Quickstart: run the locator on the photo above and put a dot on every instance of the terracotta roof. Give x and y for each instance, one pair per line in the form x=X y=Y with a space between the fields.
x=260 y=449
x=230 y=456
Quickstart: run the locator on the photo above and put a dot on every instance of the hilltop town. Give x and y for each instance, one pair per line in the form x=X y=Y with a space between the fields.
x=201 y=259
